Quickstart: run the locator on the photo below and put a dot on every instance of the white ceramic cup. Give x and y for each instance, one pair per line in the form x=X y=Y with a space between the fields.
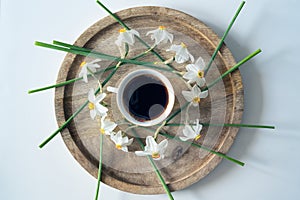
x=123 y=104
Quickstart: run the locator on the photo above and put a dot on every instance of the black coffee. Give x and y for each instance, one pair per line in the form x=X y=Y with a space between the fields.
x=145 y=97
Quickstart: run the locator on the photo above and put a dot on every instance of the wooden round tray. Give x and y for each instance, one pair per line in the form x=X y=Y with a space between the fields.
x=184 y=164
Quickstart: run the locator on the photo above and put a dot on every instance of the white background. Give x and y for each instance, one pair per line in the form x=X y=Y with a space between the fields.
x=271 y=83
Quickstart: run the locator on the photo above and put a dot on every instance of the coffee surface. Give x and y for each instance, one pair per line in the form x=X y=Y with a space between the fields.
x=146 y=97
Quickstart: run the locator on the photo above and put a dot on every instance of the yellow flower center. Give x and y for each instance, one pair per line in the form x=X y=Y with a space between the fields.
x=196 y=100
x=82 y=64
x=183 y=45
x=118 y=146
x=161 y=27
x=197 y=137
x=102 y=130
x=123 y=30
x=91 y=106
x=155 y=155
x=200 y=73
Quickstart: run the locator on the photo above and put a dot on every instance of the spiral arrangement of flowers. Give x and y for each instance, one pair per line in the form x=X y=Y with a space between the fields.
x=189 y=69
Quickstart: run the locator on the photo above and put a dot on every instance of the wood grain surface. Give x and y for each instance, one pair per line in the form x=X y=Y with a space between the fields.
x=183 y=165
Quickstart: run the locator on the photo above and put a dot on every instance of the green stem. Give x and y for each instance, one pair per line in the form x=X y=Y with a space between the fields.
x=77 y=79
x=156 y=170
x=217 y=80
x=64 y=125
x=139 y=39
x=206 y=149
x=233 y=68
x=177 y=112
x=166 y=188
x=113 y=15
x=89 y=53
x=54 y=86
x=199 y=146
x=63 y=44
x=81 y=107
x=150 y=64
x=224 y=36
x=67 y=82
x=227 y=125
x=100 y=167
x=75 y=114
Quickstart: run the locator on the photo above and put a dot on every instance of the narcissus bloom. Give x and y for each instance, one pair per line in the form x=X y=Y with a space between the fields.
x=195 y=95
x=87 y=68
x=94 y=104
x=120 y=141
x=107 y=126
x=191 y=132
x=182 y=54
x=160 y=35
x=156 y=151
x=126 y=36
x=195 y=72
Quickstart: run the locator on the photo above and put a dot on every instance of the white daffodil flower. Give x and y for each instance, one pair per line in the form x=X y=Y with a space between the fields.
x=195 y=72
x=182 y=54
x=87 y=68
x=126 y=36
x=160 y=35
x=94 y=104
x=120 y=141
x=191 y=132
x=156 y=151
x=107 y=126
x=195 y=95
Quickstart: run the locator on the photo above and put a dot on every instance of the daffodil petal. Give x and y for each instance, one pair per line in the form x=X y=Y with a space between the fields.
x=190 y=76
x=93 y=114
x=198 y=129
x=113 y=137
x=150 y=143
x=184 y=138
x=91 y=95
x=119 y=134
x=101 y=109
x=193 y=68
x=84 y=78
x=124 y=148
x=96 y=60
x=118 y=42
x=162 y=146
x=150 y=32
x=200 y=63
x=170 y=37
x=134 y=32
x=188 y=132
x=195 y=104
x=174 y=48
x=110 y=126
x=200 y=82
x=128 y=38
x=191 y=57
x=187 y=95
x=196 y=90
x=159 y=158
x=100 y=97
x=142 y=153
x=180 y=59
x=130 y=141
x=203 y=94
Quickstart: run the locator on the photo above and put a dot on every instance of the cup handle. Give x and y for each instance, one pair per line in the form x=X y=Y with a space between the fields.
x=112 y=89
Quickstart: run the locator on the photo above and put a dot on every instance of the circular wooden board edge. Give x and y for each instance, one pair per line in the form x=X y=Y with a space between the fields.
x=59 y=95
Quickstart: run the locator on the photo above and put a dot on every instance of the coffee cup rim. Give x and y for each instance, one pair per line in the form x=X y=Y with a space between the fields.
x=163 y=79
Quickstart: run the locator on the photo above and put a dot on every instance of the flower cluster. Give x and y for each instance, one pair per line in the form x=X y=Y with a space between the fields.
x=194 y=74
x=195 y=80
